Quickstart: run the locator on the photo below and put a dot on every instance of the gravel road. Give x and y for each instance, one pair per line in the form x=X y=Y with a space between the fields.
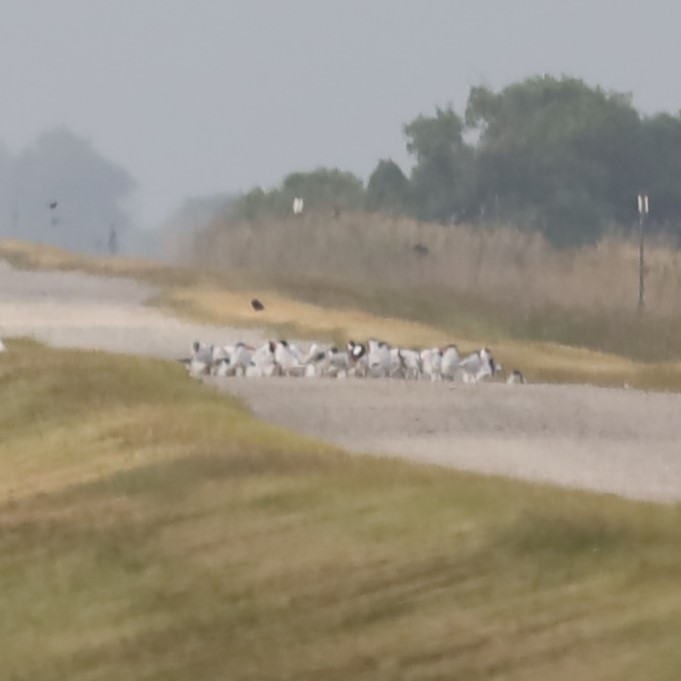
x=619 y=441
x=72 y=309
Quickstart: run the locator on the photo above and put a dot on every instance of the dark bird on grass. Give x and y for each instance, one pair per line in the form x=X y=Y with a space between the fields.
x=257 y=305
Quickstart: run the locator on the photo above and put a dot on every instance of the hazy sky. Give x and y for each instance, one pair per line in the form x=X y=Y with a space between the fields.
x=202 y=96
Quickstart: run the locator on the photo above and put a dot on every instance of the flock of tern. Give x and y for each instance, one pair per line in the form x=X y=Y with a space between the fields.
x=373 y=359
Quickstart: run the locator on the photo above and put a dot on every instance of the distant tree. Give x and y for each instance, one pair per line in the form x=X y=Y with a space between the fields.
x=441 y=178
x=550 y=154
x=557 y=155
x=197 y=211
x=432 y=136
x=325 y=189
x=177 y=232
x=661 y=165
x=258 y=203
x=387 y=189
x=90 y=192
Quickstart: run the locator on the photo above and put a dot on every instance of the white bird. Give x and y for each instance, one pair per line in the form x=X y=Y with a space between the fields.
x=406 y=362
x=330 y=362
x=241 y=358
x=479 y=366
x=339 y=363
x=431 y=363
x=262 y=361
x=231 y=360
x=220 y=359
x=288 y=358
x=378 y=358
x=313 y=352
x=222 y=368
x=298 y=205
x=314 y=361
x=357 y=356
x=516 y=377
x=450 y=362
x=200 y=360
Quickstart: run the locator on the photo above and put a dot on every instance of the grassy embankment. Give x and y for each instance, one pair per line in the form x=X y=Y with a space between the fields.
x=307 y=305
x=152 y=529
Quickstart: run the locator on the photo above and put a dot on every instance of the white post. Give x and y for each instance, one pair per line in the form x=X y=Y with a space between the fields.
x=298 y=205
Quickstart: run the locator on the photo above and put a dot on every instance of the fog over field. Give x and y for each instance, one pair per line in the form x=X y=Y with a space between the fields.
x=394 y=392
x=213 y=97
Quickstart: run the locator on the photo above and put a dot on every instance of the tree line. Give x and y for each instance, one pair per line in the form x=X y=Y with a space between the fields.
x=60 y=190
x=550 y=154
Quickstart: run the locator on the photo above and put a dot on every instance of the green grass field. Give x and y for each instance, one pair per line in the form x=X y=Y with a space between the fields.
x=151 y=528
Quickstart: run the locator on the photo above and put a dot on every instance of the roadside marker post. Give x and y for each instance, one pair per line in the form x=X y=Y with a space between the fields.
x=643 y=210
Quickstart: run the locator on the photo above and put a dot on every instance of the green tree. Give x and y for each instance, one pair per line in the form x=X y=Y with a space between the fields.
x=258 y=203
x=441 y=178
x=557 y=155
x=325 y=189
x=90 y=193
x=387 y=189
x=661 y=164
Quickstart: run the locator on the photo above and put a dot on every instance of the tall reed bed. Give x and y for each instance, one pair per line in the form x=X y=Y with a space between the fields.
x=453 y=274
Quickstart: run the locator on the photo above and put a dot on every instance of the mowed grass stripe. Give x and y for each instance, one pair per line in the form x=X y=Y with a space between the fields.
x=163 y=533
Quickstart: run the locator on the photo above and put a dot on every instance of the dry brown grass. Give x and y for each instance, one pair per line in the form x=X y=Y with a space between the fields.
x=496 y=283
x=514 y=267
x=26 y=255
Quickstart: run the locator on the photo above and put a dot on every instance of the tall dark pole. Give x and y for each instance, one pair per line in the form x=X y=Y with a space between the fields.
x=642 y=213
x=641 y=261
